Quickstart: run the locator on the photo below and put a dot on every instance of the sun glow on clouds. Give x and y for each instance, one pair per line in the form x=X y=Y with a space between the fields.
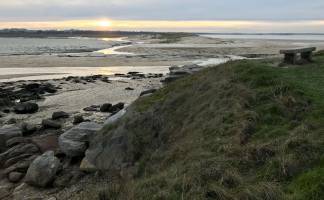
x=159 y=25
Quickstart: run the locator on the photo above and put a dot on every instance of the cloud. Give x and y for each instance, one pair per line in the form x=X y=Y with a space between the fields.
x=161 y=9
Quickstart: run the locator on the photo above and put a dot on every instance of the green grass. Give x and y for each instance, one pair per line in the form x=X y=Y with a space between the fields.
x=242 y=130
x=171 y=37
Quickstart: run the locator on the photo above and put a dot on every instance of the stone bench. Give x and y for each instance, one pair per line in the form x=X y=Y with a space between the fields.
x=291 y=55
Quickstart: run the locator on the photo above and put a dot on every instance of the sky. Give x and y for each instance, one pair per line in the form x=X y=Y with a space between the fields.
x=166 y=15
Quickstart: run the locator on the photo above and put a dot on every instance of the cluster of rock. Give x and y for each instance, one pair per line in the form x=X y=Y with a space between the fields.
x=44 y=160
x=88 y=79
x=138 y=75
x=106 y=108
x=179 y=72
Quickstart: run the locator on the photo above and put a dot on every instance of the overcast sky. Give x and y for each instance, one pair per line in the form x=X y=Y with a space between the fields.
x=212 y=10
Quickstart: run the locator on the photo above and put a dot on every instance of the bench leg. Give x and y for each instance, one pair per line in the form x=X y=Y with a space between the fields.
x=290 y=58
x=307 y=56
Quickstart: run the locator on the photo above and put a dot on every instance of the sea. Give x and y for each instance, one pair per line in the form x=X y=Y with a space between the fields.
x=304 y=37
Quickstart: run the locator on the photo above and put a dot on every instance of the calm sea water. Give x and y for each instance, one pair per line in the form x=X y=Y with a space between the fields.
x=39 y=46
x=268 y=36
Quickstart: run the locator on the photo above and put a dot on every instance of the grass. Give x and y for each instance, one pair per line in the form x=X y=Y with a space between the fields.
x=170 y=38
x=243 y=130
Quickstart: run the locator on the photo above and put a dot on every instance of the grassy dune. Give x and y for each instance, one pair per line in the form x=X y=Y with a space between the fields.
x=243 y=130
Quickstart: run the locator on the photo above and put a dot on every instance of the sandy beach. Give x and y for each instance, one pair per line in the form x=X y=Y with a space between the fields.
x=80 y=84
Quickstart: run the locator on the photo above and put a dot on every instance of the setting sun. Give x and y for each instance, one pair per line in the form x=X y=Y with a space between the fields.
x=104 y=23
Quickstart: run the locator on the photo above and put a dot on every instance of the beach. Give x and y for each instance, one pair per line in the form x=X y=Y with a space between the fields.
x=48 y=94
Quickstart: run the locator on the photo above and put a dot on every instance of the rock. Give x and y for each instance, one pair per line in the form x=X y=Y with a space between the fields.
x=17 y=140
x=60 y=115
x=28 y=129
x=47 y=123
x=32 y=87
x=129 y=88
x=90 y=109
x=87 y=166
x=13 y=155
x=105 y=107
x=117 y=107
x=133 y=73
x=115 y=118
x=4 y=191
x=26 y=108
x=6 y=133
x=6 y=110
x=12 y=121
x=15 y=177
x=46 y=142
x=20 y=166
x=151 y=91
x=43 y=169
x=75 y=141
x=78 y=119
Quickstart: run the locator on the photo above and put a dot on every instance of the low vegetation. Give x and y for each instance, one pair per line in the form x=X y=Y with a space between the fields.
x=244 y=130
x=171 y=37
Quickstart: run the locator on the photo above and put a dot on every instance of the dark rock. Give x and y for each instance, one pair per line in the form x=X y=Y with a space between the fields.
x=20 y=158
x=50 y=124
x=17 y=140
x=49 y=88
x=117 y=107
x=151 y=91
x=28 y=129
x=78 y=119
x=105 y=79
x=42 y=170
x=32 y=86
x=15 y=177
x=20 y=166
x=6 y=110
x=26 y=108
x=12 y=121
x=75 y=141
x=106 y=107
x=129 y=88
x=90 y=109
x=14 y=152
x=133 y=73
x=6 y=133
x=60 y=115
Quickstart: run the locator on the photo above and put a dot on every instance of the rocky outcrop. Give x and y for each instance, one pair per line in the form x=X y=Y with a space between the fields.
x=6 y=133
x=179 y=72
x=43 y=169
x=75 y=141
x=108 y=150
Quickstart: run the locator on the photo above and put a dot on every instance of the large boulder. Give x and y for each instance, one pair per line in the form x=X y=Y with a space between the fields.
x=75 y=141
x=26 y=108
x=6 y=133
x=43 y=170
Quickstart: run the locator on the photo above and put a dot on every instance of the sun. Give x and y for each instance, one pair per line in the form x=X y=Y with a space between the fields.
x=104 y=23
